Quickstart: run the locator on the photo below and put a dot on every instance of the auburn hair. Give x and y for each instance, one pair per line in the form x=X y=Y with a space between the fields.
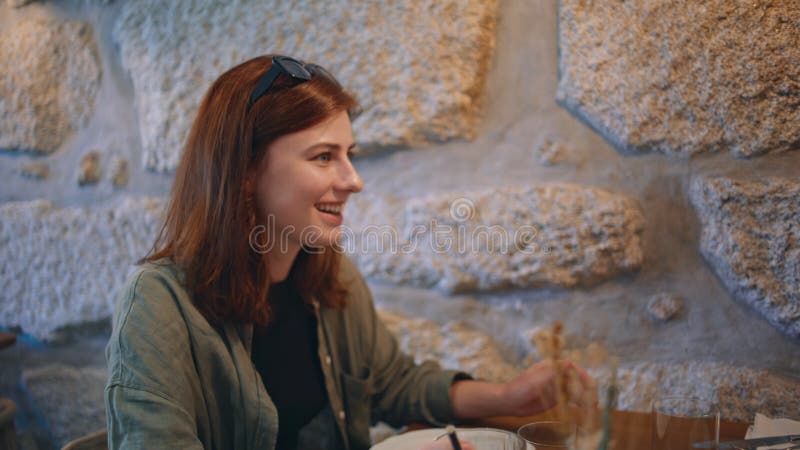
x=211 y=210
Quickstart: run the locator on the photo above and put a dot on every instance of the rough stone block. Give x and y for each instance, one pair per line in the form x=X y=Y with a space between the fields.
x=48 y=81
x=453 y=345
x=35 y=171
x=739 y=392
x=683 y=77
x=69 y=398
x=663 y=306
x=550 y=152
x=62 y=266
x=119 y=172
x=751 y=238
x=417 y=67
x=530 y=236
x=89 y=170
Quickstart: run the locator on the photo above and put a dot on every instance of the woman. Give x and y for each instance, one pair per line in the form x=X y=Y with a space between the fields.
x=244 y=327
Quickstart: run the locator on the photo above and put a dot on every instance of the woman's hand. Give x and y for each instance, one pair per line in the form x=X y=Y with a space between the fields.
x=444 y=444
x=533 y=391
x=536 y=389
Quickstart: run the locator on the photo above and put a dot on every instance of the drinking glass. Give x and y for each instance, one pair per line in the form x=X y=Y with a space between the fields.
x=677 y=422
x=548 y=435
x=489 y=439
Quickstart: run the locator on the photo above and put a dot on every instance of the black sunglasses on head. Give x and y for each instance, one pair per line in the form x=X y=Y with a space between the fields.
x=297 y=71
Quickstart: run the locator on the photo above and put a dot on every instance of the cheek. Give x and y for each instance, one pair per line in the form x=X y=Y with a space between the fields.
x=289 y=194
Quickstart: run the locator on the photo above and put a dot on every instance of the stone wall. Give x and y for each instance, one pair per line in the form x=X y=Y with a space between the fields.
x=751 y=237
x=63 y=266
x=165 y=49
x=48 y=82
x=521 y=236
x=683 y=77
x=627 y=168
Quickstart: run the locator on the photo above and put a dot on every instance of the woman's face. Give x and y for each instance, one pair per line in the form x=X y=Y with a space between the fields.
x=305 y=181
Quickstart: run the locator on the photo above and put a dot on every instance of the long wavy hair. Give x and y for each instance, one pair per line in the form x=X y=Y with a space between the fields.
x=211 y=211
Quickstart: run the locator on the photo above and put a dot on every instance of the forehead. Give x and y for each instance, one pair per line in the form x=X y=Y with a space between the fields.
x=335 y=129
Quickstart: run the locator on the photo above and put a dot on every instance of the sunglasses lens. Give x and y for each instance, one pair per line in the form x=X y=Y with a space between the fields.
x=291 y=67
x=315 y=69
x=294 y=68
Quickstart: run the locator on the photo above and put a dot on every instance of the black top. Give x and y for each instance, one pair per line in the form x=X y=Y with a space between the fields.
x=285 y=355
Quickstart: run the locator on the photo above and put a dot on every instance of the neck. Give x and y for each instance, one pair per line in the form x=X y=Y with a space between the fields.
x=280 y=263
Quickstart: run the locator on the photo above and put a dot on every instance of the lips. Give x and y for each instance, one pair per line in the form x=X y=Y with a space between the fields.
x=331 y=212
x=330 y=208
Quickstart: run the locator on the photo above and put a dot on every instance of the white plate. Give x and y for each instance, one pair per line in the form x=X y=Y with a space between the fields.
x=413 y=440
x=409 y=441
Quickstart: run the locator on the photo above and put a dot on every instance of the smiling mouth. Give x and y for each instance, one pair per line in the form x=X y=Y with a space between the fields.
x=330 y=208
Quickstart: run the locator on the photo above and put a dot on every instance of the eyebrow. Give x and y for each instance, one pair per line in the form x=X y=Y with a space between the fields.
x=331 y=145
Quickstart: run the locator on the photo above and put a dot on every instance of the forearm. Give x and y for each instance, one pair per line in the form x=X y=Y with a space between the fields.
x=476 y=399
x=531 y=392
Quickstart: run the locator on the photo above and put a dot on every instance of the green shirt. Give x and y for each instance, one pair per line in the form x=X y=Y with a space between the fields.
x=177 y=382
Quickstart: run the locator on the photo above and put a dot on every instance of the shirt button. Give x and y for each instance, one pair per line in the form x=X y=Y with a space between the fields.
x=328 y=360
x=341 y=415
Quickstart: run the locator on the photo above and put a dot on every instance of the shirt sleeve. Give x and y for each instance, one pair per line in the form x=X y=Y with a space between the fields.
x=149 y=395
x=140 y=419
x=403 y=391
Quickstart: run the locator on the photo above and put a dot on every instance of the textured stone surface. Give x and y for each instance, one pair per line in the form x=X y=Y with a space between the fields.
x=751 y=237
x=48 y=82
x=549 y=152
x=683 y=77
x=62 y=266
x=417 y=72
x=453 y=345
x=119 y=172
x=69 y=398
x=663 y=306
x=740 y=392
x=36 y=171
x=549 y=235
x=89 y=169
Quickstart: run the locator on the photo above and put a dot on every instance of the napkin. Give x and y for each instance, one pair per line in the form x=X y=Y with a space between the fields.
x=764 y=426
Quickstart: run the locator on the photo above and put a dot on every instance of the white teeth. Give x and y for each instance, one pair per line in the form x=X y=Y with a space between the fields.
x=335 y=209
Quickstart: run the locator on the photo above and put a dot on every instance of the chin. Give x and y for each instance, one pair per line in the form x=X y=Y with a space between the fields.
x=327 y=239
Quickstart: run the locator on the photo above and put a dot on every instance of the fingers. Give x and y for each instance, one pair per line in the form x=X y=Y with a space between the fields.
x=584 y=375
x=570 y=367
x=581 y=387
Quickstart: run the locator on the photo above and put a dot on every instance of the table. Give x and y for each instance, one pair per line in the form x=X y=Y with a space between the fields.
x=631 y=430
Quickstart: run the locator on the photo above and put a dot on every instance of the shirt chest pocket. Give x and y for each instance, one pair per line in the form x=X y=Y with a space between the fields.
x=357 y=393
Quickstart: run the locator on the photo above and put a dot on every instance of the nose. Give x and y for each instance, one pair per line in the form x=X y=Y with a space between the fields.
x=349 y=180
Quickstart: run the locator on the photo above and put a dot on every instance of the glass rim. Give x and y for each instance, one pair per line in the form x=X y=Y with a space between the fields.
x=492 y=430
x=710 y=408
x=569 y=426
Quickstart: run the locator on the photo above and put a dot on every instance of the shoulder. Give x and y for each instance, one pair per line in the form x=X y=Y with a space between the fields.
x=150 y=344
x=150 y=320
x=358 y=293
x=153 y=290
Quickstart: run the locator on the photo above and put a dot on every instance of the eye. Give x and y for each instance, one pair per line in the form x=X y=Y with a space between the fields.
x=323 y=157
